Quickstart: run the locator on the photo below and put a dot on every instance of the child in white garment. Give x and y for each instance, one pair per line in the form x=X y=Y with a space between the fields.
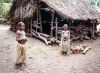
x=65 y=40
x=21 y=46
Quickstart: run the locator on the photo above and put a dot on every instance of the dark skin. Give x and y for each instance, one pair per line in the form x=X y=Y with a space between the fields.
x=22 y=28
x=65 y=38
x=65 y=28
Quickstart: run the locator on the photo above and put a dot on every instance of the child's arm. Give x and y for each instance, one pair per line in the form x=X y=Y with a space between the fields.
x=68 y=34
x=17 y=36
x=61 y=38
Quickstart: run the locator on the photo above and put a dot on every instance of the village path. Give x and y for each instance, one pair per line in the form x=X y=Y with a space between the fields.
x=46 y=59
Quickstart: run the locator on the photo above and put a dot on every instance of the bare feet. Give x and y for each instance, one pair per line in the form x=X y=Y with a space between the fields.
x=18 y=66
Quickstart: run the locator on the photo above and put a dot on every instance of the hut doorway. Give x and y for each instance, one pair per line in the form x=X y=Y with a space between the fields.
x=46 y=22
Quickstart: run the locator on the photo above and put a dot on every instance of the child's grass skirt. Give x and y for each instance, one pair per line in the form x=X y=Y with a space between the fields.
x=65 y=46
x=21 y=53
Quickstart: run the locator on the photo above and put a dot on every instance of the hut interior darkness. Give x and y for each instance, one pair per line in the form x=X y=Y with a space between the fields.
x=44 y=18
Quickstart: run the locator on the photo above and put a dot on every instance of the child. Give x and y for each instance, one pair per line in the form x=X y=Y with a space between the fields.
x=65 y=40
x=98 y=29
x=21 y=46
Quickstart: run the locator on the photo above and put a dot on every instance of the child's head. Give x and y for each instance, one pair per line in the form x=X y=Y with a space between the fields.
x=65 y=27
x=21 y=26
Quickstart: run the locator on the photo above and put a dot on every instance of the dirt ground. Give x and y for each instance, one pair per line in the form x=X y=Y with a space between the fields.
x=46 y=59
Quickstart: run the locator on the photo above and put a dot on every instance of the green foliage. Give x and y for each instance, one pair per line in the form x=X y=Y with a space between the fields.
x=6 y=1
x=98 y=8
x=4 y=9
x=94 y=2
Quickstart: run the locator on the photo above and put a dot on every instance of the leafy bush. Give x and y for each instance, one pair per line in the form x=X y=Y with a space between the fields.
x=4 y=9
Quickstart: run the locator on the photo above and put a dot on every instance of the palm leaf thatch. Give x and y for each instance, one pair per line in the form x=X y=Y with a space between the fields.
x=74 y=9
x=24 y=8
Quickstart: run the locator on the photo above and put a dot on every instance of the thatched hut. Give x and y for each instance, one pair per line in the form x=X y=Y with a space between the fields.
x=47 y=16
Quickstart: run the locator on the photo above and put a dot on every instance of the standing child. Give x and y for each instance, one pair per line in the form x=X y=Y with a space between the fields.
x=65 y=40
x=21 y=46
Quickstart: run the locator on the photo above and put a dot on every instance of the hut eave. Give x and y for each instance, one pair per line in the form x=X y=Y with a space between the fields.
x=74 y=9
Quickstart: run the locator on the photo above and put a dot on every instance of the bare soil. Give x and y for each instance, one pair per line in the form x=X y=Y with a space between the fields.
x=46 y=59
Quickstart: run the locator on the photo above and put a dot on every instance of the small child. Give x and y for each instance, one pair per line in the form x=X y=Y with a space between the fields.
x=21 y=46
x=65 y=40
x=98 y=29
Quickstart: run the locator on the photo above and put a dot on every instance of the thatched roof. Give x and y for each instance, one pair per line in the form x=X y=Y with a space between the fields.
x=74 y=9
x=22 y=8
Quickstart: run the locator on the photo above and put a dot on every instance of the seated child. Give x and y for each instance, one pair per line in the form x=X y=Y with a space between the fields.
x=65 y=40
x=21 y=46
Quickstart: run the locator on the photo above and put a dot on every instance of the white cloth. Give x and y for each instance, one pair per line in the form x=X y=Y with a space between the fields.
x=20 y=35
x=98 y=28
x=21 y=53
x=65 y=34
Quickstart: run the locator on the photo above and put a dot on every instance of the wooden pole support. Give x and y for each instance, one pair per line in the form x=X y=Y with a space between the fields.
x=51 y=33
x=37 y=14
x=93 y=29
x=40 y=21
x=56 y=27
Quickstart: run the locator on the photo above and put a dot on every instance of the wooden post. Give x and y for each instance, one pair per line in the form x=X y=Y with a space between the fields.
x=82 y=30
x=28 y=27
x=40 y=21
x=37 y=15
x=70 y=24
x=31 y=24
x=21 y=13
x=56 y=27
x=14 y=25
x=31 y=27
x=93 y=29
x=51 y=33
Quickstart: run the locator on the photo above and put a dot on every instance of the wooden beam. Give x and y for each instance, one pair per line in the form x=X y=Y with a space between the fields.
x=82 y=23
x=21 y=13
x=46 y=9
x=56 y=28
x=40 y=21
x=70 y=22
x=38 y=36
x=37 y=14
x=93 y=30
x=52 y=21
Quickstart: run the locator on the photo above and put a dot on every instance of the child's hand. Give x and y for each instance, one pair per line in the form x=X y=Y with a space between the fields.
x=65 y=38
x=23 y=41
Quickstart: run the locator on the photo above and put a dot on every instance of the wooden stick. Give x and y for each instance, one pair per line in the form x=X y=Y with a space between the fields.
x=31 y=24
x=40 y=21
x=21 y=13
x=46 y=9
x=70 y=24
x=93 y=28
x=82 y=31
x=37 y=14
x=51 y=33
x=84 y=51
x=56 y=27
x=38 y=36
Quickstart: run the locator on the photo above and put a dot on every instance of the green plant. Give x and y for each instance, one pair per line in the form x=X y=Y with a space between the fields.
x=4 y=9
